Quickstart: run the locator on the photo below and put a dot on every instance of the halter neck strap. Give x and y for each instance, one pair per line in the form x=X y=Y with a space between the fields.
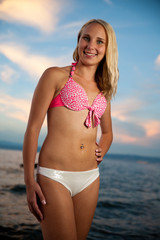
x=73 y=68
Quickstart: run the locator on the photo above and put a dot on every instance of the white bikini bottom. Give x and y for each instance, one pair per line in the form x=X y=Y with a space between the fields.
x=75 y=182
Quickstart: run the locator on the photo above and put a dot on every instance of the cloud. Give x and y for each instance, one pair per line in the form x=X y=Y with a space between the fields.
x=127 y=132
x=122 y=138
x=108 y=2
x=15 y=108
x=70 y=29
x=146 y=133
x=42 y=14
x=32 y=63
x=157 y=62
x=152 y=127
x=7 y=74
x=124 y=108
x=130 y=129
x=73 y=25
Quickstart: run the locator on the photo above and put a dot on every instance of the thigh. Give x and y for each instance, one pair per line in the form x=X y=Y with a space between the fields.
x=85 y=204
x=59 y=220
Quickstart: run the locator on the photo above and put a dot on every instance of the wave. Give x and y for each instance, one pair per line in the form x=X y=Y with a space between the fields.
x=19 y=232
x=113 y=204
x=16 y=189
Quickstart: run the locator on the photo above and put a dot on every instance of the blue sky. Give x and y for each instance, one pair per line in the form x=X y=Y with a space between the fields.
x=36 y=34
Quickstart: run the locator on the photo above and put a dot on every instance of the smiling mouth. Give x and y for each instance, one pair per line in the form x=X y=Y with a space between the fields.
x=90 y=54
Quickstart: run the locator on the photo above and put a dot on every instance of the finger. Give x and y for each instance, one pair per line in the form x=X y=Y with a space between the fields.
x=41 y=196
x=98 y=150
x=32 y=211
x=98 y=154
x=37 y=212
x=99 y=160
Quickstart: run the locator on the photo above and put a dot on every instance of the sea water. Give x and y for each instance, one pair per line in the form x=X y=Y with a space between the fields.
x=128 y=207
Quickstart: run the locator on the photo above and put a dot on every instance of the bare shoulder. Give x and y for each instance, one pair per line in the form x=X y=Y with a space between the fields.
x=56 y=71
x=56 y=76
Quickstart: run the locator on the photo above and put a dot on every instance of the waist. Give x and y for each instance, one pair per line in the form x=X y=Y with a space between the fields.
x=68 y=154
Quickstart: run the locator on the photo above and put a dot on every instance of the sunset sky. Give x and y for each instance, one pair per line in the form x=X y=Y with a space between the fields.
x=36 y=34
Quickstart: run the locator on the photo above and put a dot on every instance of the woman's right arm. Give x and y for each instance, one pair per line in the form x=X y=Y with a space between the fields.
x=42 y=97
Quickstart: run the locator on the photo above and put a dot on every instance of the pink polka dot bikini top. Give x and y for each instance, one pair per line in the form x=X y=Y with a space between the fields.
x=74 y=97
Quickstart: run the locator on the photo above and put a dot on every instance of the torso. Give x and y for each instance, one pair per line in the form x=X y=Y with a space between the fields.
x=69 y=144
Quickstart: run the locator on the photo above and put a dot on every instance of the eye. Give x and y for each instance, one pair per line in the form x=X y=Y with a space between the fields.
x=86 y=38
x=99 y=42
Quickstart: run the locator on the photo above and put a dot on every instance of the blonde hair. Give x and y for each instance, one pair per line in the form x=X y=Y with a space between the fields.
x=107 y=73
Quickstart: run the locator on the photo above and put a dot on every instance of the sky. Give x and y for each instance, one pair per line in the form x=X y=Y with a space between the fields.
x=37 y=34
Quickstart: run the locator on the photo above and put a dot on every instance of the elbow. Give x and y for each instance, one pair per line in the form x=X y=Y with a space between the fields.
x=32 y=130
x=30 y=133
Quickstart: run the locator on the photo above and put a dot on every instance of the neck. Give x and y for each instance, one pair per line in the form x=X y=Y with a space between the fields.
x=86 y=71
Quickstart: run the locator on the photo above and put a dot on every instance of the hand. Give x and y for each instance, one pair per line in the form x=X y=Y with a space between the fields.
x=98 y=153
x=34 y=193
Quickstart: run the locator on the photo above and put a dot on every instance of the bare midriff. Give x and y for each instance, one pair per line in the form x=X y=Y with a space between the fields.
x=69 y=144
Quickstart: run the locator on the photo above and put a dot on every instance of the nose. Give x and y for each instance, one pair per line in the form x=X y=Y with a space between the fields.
x=91 y=45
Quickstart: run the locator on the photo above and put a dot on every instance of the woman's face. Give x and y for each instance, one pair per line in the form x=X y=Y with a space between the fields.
x=92 y=44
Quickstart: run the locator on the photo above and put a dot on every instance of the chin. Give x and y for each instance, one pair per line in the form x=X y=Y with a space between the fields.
x=90 y=61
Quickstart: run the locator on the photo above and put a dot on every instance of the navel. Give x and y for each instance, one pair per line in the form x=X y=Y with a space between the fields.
x=82 y=146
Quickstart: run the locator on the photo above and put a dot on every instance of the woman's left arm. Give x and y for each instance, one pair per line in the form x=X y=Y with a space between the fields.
x=106 y=134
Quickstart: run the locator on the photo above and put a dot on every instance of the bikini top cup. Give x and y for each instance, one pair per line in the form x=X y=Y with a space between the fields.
x=74 y=97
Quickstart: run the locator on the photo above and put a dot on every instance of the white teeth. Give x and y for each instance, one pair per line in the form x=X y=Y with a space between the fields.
x=90 y=54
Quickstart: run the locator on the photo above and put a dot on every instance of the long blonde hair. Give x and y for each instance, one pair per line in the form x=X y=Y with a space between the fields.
x=107 y=73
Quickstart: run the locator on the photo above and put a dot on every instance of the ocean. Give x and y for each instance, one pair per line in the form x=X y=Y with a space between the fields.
x=128 y=206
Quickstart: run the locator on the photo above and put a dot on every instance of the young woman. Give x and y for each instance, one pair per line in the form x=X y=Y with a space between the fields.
x=76 y=99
